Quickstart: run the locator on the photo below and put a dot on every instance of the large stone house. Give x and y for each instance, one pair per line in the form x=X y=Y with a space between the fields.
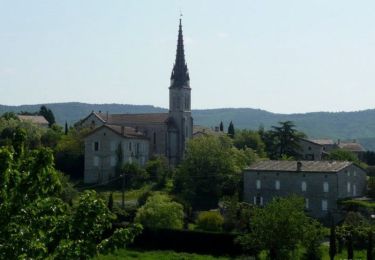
x=109 y=145
x=166 y=133
x=321 y=183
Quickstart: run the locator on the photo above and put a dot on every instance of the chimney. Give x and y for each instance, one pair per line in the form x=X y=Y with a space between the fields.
x=299 y=166
x=122 y=130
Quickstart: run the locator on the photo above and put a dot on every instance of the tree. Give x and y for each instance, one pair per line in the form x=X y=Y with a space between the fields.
x=158 y=170
x=36 y=222
x=160 y=212
x=370 y=246
x=221 y=126
x=249 y=139
x=343 y=155
x=279 y=227
x=231 y=132
x=286 y=139
x=210 y=221
x=66 y=128
x=371 y=187
x=211 y=168
x=48 y=115
x=332 y=242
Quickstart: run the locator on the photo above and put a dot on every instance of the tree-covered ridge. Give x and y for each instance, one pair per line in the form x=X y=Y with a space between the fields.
x=358 y=125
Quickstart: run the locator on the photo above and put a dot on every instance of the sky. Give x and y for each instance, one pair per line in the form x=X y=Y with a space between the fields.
x=290 y=56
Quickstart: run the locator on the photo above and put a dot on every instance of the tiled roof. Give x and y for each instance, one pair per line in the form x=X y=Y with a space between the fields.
x=125 y=131
x=40 y=120
x=353 y=147
x=118 y=119
x=323 y=141
x=202 y=130
x=307 y=166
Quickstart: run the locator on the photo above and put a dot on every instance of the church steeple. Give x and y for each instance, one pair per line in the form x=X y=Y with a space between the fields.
x=180 y=73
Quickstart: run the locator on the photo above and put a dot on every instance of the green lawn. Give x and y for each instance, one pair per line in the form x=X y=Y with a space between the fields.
x=155 y=255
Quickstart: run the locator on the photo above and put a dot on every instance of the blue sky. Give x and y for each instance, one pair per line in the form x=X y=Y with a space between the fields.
x=285 y=56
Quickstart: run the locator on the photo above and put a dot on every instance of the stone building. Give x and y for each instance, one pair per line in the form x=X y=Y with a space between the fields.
x=108 y=145
x=321 y=183
x=166 y=133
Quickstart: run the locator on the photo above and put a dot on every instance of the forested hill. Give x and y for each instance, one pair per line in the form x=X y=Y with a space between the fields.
x=358 y=125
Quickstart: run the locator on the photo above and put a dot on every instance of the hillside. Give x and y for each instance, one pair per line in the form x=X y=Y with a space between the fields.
x=358 y=125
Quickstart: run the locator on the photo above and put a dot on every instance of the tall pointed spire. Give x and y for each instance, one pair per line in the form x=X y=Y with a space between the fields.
x=180 y=73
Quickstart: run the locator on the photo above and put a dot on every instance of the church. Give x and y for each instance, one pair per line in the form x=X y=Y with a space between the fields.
x=137 y=137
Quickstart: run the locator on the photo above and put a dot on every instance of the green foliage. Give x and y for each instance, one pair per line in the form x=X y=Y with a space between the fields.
x=212 y=168
x=237 y=215
x=210 y=221
x=69 y=153
x=160 y=212
x=135 y=175
x=221 y=126
x=249 y=139
x=342 y=155
x=52 y=136
x=157 y=255
x=332 y=242
x=158 y=170
x=48 y=115
x=37 y=222
x=231 y=132
x=285 y=140
x=280 y=227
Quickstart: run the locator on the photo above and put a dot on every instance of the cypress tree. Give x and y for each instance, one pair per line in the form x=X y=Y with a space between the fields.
x=110 y=201
x=369 y=246
x=231 y=130
x=66 y=128
x=221 y=126
x=350 y=246
x=332 y=242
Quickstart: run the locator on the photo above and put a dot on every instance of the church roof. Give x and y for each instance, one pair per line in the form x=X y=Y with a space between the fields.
x=180 y=73
x=124 y=131
x=118 y=119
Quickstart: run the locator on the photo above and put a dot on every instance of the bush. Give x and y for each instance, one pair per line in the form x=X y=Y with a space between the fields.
x=210 y=221
x=160 y=212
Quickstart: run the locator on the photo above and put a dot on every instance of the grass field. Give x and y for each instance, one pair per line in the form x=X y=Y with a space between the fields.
x=155 y=255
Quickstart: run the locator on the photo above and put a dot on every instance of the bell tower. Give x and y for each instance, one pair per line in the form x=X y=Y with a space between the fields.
x=180 y=103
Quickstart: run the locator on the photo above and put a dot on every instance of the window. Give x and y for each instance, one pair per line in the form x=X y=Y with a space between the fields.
x=324 y=205
x=303 y=186
x=277 y=185
x=307 y=203
x=258 y=200
x=348 y=173
x=348 y=186
x=259 y=184
x=137 y=149
x=325 y=186
x=96 y=161
x=354 y=190
x=96 y=146
x=309 y=148
x=113 y=161
x=130 y=146
x=154 y=138
x=354 y=173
